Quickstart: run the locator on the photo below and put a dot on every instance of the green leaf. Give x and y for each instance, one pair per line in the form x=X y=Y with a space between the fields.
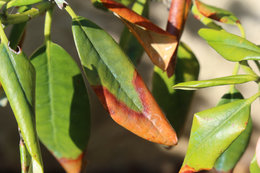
x=128 y=42
x=18 y=3
x=117 y=84
x=17 y=77
x=230 y=46
x=228 y=80
x=213 y=130
x=98 y=4
x=206 y=21
x=229 y=158
x=24 y=157
x=175 y=103
x=62 y=106
x=254 y=167
x=215 y=13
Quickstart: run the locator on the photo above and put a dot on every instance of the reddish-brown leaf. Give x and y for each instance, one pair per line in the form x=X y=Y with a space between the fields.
x=159 y=44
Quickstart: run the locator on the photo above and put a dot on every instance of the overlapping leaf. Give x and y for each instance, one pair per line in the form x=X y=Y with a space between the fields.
x=229 y=158
x=213 y=130
x=128 y=42
x=17 y=77
x=24 y=157
x=216 y=13
x=175 y=103
x=117 y=84
x=230 y=46
x=17 y=3
x=62 y=107
x=228 y=80
x=158 y=44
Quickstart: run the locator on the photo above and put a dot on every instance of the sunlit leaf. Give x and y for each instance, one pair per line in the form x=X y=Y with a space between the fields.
x=128 y=42
x=17 y=77
x=213 y=130
x=215 y=13
x=158 y=44
x=117 y=84
x=230 y=46
x=254 y=167
x=62 y=107
x=176 y=103
x=229 y=158
x=17 y=3
x=228 y=80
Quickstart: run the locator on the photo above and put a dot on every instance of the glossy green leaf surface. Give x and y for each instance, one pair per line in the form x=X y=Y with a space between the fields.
x=175 y=103
x=17 y=77
x=213 y=130
x=228 y=80
x=62 y=106
x=203 y=19
x=117 y=84
x=128 y=42
x=17 y=3
x=229 y=158
x=230 y=46
x=254 y=167
x=215 y=13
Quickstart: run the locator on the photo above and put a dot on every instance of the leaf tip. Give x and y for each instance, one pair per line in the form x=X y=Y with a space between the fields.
x=71 y=165
x=187 y=169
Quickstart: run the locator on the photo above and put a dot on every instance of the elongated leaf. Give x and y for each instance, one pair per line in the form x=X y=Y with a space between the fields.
x=254 y=167
x=230 y=46
x=228 y=80
x=175 y=103
x=229 y=158
x=117 y=84
x=216 y=13
x=203 y=19
x=158 y=44
x=178 y=14
x=24 y=157
x=128 y=42
x=62 y=107
x=17 y=77
x=17 y=3
x=213 y=130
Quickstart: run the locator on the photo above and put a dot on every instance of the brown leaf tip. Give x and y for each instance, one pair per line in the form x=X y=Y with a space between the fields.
x=71 y=165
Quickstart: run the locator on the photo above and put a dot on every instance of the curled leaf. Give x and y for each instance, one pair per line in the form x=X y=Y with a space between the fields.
x=230 y=46
x=228 y=80
x=117 y=84
x=158 y=44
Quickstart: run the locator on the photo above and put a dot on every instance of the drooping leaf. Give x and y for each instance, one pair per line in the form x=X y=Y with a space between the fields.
x=17 y=77
x=24 y=157
x=18 y=3
x=62 y=106
x=61 y=3
x=254 y=167
x=158 y=44
x=228 y=80
x=117 y=84
x=230 y=46
x=178 y=14
x=215 y=13
x=213 y=130
x=176 y=103
x=206 y=21
x=128 y=42
x=229 y=158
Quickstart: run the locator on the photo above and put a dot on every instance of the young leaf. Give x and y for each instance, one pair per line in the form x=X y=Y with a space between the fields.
x=228 y=80
x=117 y=84
x=17 y=77
x=158 y=44
x=18 y=3
x=62 y=106
x=128 y=42
x=230 y=46
x=213 y=130
x=175 y=103
x=254 y=167
x=216 y=13
x=206 y=21
x=229 y=158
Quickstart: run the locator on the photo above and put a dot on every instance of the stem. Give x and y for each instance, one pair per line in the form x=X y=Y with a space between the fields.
x=71 y=12
x=27 y=15
x=257 y=64
x=235 y=72
x=242 y=31
x=247 y=68
x=47 y=26
x=254 y=97
x=2 y=34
